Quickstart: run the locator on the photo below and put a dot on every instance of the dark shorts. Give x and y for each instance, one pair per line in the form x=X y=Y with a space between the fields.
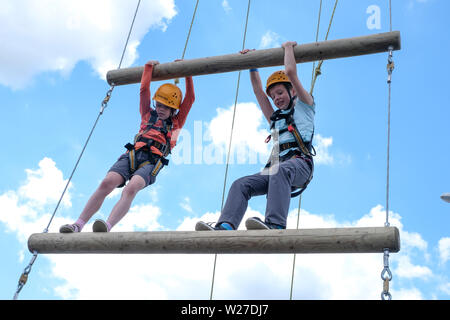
x=122 y=167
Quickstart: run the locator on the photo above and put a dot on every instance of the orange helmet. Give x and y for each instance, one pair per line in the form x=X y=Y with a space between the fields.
x=277 y=77
x=169 y=95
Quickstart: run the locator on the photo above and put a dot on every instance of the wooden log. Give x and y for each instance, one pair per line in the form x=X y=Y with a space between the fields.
x=326 y=240
x=446 y=197
x=325 y=50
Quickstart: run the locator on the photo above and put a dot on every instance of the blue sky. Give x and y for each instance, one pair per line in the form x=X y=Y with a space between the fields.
x=52 y=69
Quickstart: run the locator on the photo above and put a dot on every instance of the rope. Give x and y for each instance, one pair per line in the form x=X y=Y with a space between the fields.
x=315 y=73
x=318 y=70
x=317 y=38
x=390 y=69
x=295 y=255
x=388 y=143
x=24 y=277
x=386 y=274
x=177 y=80
x=390 y=16
x=229 y=145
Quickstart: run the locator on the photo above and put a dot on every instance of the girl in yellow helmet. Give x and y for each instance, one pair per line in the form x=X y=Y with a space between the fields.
x=143 y=160
x=293 y=125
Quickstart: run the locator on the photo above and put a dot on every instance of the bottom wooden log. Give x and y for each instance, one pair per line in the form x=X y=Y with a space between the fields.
x=323 y=240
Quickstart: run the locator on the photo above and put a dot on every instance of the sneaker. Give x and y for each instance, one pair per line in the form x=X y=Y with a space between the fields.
x=257 y=224
x=69 y=228
x=207 y=226
x=100 y=226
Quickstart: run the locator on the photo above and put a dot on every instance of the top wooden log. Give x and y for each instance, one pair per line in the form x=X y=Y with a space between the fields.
x=324 y=50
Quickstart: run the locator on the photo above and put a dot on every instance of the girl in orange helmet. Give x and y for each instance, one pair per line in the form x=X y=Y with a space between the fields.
x=293 y=125
x=146 y=156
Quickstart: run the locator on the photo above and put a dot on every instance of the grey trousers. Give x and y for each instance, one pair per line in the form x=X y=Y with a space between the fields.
x=277 y=186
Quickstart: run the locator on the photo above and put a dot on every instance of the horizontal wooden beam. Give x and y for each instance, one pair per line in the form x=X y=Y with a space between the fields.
x=324 y=50
x=326 y=240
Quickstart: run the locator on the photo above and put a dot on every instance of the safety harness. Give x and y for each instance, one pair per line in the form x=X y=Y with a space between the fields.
x=165 y=149
x=298 y=149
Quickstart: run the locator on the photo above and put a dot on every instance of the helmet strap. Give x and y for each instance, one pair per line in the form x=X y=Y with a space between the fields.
x=291 y=98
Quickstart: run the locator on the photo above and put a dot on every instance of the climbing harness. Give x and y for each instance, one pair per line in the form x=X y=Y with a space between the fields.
x=297 y=149
x=158 y=160
x=24 y=277
x=306 y=149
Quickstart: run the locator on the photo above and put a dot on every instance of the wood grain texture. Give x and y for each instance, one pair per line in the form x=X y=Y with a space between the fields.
x=325 y=50
x=324 y=240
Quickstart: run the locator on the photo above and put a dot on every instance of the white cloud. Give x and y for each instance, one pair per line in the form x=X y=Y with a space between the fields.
x=140 y=217
x=444 y=249
x=376 y=218
x=45 y=185
x=226 y=6
x=321 y=144
x=249 y=134
x=414 y=240
x=406 y=269
x=445 y=287
x=27 y=210
x=186 y=204
x=324 y=276
x=52 y=35
x=407 y=294
x=270 y=40
x=115 y=193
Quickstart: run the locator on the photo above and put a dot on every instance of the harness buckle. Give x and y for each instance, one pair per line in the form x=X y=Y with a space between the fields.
x=163 y=148
x=129 y=146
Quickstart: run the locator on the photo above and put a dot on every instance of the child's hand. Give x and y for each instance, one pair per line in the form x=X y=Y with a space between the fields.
x=152 y=62
x=289 y=44
x=246 y=50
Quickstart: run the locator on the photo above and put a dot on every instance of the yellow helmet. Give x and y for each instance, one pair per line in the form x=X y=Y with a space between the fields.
x=277 y=77
x=169 y=95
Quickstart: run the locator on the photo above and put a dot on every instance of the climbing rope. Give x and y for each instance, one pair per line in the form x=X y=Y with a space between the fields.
x=318 y=70
x=386 y=274
x=229 y=145
x=24 y=277
x=295 y=255
x=317 y=38
x=177 y=80
x=315 y=73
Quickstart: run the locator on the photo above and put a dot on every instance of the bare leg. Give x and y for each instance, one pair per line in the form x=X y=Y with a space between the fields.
x=109 y=183
x=129 y=192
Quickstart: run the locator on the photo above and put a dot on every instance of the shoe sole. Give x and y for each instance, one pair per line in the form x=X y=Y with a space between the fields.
x=99 y=226
x=66 y=229
x=253 y=224
x=201 y=226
